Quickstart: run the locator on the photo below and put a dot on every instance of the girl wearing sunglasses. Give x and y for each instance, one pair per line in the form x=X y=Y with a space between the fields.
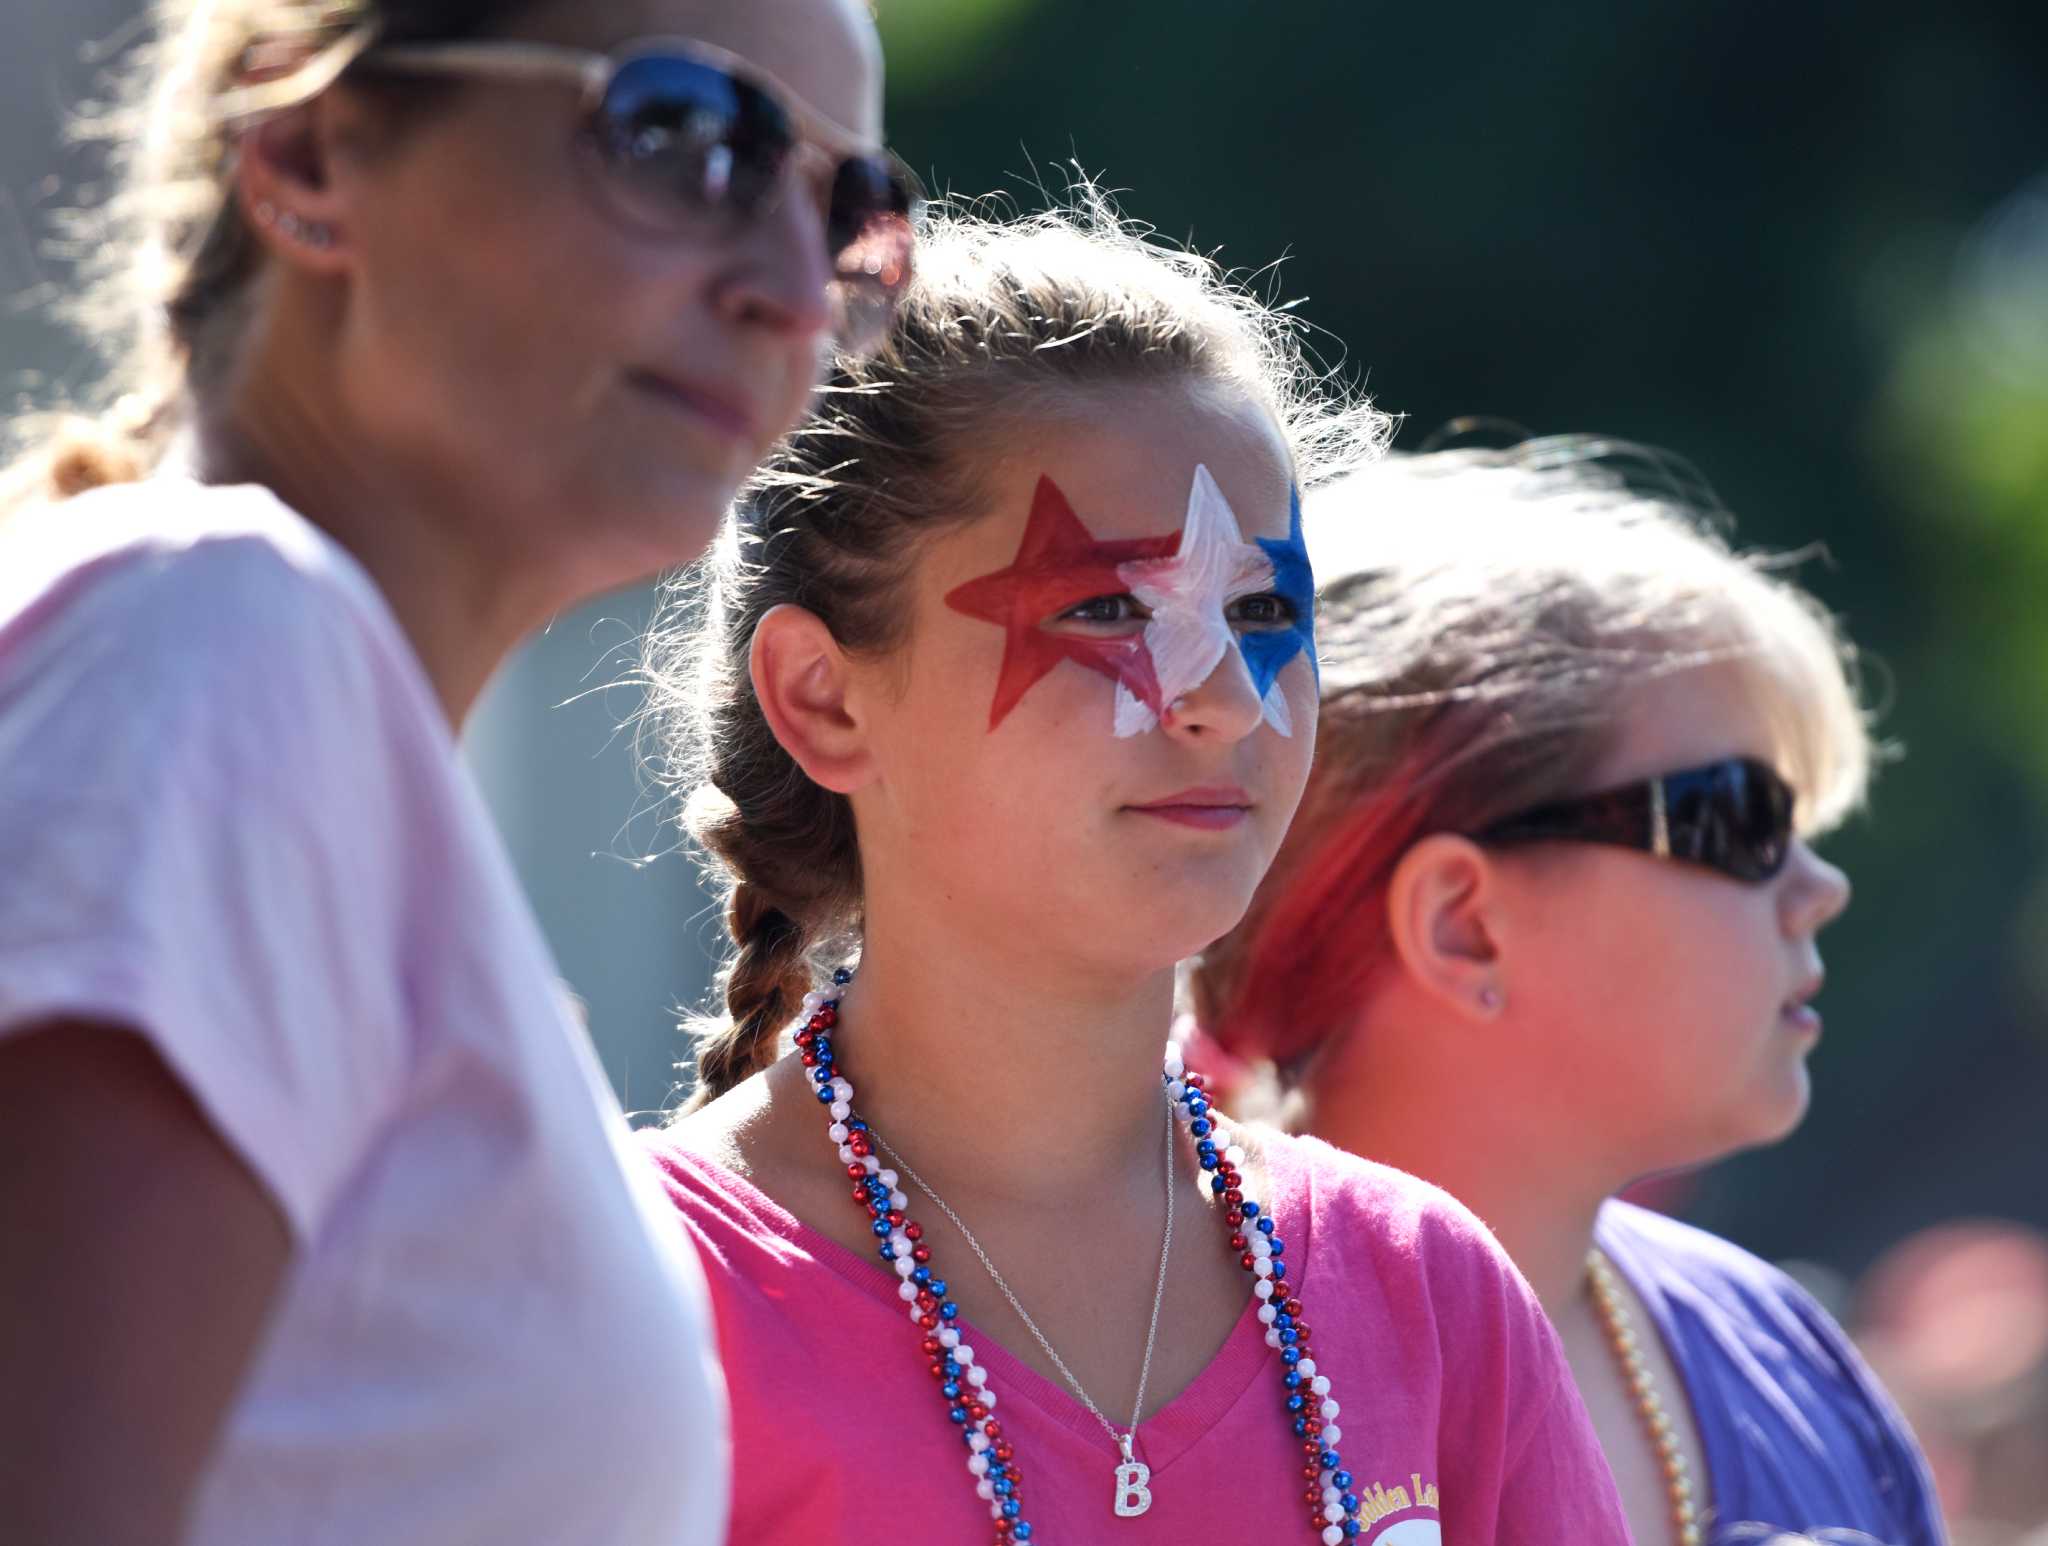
x=1547 y=924
x=434 y=317
x=1004 y=688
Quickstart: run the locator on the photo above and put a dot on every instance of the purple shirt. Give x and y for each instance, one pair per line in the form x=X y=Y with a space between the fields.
x=1797 y=1432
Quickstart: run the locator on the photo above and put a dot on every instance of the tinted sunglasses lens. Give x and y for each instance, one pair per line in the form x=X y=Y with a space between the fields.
x=684 y=139
x=870 y=228
x=867 y=191
x=1766 y=828
x=1735 y=817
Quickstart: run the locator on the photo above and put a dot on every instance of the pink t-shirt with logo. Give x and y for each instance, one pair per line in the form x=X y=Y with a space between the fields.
x=1460 y=1418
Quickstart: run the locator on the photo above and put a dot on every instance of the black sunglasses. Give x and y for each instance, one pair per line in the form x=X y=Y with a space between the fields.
x=689 y=133
x=1734 y=816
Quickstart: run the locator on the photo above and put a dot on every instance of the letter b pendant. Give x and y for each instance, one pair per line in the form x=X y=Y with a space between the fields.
x=1133 y=1497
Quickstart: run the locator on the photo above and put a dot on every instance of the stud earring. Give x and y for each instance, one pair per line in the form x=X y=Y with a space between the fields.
x=1489 y=999
x=316 y=234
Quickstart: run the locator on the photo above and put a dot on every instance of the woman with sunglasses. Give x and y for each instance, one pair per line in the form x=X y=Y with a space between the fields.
x=1546 y=924
x=434 y=318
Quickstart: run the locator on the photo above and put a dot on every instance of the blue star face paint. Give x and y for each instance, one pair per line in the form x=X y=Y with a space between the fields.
x=1267 y=654
x=1188 y=598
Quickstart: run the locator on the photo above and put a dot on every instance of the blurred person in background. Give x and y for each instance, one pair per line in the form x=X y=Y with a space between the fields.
x=1955 y=1319
x=1547 y=923
x=432 y=317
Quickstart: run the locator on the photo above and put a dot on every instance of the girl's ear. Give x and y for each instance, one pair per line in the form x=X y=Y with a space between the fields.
x=1444 y=918
x=801 y=677
x=285 y=185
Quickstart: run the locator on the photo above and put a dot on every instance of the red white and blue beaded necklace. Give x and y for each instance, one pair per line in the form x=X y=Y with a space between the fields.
x=1306 y=1405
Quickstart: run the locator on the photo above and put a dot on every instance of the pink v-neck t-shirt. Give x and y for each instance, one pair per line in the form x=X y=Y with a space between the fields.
x=1460 y=1418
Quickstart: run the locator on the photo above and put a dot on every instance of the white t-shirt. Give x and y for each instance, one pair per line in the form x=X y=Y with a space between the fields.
x=232 y=817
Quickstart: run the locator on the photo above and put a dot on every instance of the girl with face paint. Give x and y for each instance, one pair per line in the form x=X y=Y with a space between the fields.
x=996 y=705
x=1547 y=922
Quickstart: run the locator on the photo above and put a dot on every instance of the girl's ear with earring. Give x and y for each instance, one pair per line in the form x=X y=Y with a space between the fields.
x=316 y=234
x=281 y=171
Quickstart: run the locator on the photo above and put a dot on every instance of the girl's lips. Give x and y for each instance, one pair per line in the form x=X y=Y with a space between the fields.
x=1210 y=818
x=1803 y=1018
x=1798 y=1011
x=1211 y=808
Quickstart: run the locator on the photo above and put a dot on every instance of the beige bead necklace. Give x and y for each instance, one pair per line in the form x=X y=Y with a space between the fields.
x=1621 y=1336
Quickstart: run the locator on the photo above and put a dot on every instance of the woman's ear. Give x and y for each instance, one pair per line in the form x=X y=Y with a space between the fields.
x=802 y=679
x=1444 y=918
x=285 y=186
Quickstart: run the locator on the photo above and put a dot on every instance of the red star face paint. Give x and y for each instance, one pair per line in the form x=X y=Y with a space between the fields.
x=1058 y=566
x=1188 y=582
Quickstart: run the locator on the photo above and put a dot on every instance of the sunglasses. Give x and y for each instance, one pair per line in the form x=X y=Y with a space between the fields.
x=690 y=135
x=1734 y=816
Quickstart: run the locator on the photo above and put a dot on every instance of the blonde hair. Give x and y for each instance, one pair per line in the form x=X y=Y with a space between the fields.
x=1006 y=321
x=168 y=264
x=1481 y=614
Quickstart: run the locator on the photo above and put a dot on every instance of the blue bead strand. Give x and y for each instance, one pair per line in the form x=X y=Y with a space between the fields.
x=1254 y=1239
x=962 y=1388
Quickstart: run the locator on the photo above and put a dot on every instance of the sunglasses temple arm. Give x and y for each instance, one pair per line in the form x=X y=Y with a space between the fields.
x=1660 y=821
x=506 y=60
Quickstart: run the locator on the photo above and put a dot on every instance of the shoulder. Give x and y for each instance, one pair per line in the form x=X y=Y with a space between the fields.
x=159 y=523
x=1754 y=1344
x=1399 y=1241
x=1729 y=1300
x=1740 y=1323
x=1403 y=1267
x=1676 y=1240
x=748 y=1159
x=743 y=1235
x=709 y=1162
x=1709 y=1276
x=170 y=614
x=687 y=1176
x=1367 y=1203
x=214 y=741
x=143 y=559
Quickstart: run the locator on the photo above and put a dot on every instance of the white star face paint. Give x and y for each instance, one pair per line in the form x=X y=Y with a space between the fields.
x=1189 y=597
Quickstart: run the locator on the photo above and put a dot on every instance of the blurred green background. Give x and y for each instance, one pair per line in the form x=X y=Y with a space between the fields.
x=1804 y=245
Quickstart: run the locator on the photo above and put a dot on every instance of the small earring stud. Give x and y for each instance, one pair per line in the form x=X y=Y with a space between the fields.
x=316 y=234
x=1489 y=999
x=311 y=233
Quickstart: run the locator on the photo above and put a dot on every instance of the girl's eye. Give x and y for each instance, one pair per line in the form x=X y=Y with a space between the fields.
x=1105 y=609
x=1267 y=611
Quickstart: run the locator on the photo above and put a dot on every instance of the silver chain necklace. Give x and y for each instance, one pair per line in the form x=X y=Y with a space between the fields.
x=1133 y=1495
